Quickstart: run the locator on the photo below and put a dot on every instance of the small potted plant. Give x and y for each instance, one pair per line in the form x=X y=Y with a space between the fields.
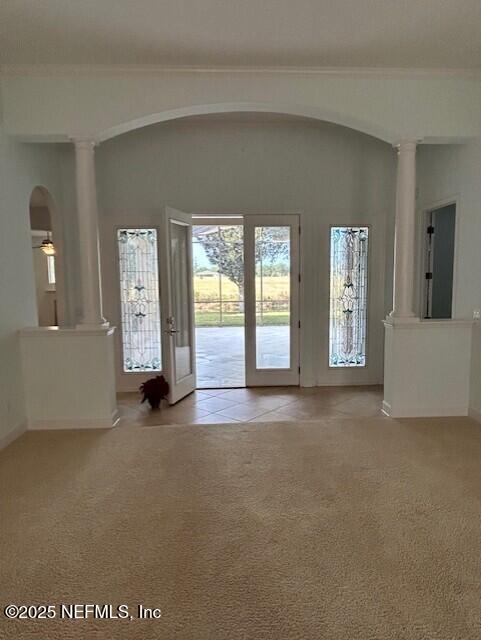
x=154 y=391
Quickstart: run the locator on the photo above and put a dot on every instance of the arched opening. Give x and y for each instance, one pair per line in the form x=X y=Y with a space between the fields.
x=242 y=168
x=280 y=108
x=47 y=258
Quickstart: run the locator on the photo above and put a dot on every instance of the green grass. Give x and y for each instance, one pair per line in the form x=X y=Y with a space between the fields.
x=212 y=319
x=207 y=291
x=274 y=287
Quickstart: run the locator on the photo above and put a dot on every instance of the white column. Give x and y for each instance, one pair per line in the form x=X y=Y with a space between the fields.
x=404 y=234
x=87 y=214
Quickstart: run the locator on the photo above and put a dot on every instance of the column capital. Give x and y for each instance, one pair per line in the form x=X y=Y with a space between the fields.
x=406 y=145
x=83 y=142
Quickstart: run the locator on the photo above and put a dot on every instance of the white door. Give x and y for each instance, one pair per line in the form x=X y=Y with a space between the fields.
x=271 y=259
x=178 y=335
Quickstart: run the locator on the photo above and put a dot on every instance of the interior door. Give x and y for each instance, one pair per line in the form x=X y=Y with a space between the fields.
x=439 y=262
x=271 y=259
x=178 y=334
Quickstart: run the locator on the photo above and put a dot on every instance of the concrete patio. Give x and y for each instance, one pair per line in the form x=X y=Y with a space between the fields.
x=221 y=359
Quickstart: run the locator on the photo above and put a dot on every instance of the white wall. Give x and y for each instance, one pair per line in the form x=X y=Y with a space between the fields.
x=331 y=174
x=22 y=167
x=454 y=172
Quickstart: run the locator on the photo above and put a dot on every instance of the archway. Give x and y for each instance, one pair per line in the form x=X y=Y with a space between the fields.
x=47 y=258
x=315 y=113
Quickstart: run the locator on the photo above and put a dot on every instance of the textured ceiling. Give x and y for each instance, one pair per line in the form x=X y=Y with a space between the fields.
x=286 y=33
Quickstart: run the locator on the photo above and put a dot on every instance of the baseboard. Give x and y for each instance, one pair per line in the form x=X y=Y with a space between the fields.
x=475 y=414
x=12 y=435
x=91 y=423
x=386 y=408
x=425 y=412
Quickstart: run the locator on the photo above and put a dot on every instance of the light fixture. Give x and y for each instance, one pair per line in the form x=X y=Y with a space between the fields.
x=48 y=247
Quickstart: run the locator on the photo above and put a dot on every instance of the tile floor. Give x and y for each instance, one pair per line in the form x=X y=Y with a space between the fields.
x=220 y=353
x=262 y=404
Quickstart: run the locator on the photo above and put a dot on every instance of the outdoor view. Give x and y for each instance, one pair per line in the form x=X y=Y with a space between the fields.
x=218 y=256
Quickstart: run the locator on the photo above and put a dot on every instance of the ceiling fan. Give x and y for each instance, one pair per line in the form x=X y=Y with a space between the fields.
x=47 y=246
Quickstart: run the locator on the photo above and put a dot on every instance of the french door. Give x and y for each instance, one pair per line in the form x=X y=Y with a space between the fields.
x=271 y=260
x=177 y=310
x=157 y=301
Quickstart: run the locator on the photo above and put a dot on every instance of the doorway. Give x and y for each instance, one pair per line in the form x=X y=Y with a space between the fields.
x=246 y=276
x=45 y=248
x=219 y=279
x=440 y=226
x=210 y=302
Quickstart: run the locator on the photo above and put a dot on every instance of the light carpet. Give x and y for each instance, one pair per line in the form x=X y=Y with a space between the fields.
x=342 y=529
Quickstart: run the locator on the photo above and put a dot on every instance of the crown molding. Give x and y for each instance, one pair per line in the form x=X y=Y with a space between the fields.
x=102 y=69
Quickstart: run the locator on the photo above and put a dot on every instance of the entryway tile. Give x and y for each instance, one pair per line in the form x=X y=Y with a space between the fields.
x=242 y=412
x=215 y=404
x=216 y=418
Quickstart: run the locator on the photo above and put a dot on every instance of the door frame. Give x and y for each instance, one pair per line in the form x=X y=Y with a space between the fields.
x=425 y=211
x=249 y=220
x=271 y=377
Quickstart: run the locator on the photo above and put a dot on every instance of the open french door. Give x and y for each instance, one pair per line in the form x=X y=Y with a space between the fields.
x=177 y=304
x=271 y=257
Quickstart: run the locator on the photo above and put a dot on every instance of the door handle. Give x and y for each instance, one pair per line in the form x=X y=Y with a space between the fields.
x=171 y=331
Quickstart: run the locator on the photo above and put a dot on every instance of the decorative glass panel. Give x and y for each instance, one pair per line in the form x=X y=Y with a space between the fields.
x=139 y=299
x=348 y=297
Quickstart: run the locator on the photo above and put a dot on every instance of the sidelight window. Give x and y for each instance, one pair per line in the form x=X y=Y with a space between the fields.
x=139 y=299
x=348 y=297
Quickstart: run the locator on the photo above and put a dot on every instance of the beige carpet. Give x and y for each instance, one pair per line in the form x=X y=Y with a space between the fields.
x=342 y=529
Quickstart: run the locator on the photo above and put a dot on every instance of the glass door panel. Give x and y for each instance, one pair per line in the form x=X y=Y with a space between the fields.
x=272 y=306
x=218 y=258
x=273 y=293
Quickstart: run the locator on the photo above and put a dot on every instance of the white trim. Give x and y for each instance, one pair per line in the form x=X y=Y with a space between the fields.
x=416 y=323
x=424 y=412
x=217 y=219
x=12 y=435
x=71 y=423
x=66 y=332
x=316 y=113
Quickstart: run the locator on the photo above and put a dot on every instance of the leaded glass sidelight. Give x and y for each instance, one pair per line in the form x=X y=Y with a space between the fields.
x=139 y=299
x=348 y=297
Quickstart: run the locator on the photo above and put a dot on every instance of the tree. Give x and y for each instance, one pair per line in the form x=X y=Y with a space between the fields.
x=224 y=247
